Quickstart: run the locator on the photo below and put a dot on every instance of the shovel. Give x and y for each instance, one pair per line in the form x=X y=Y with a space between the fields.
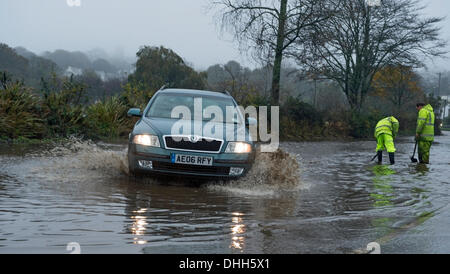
x=414 y=160
x=374 y=157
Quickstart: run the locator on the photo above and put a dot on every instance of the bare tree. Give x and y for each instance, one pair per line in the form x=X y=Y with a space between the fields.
x=268 y=28
x=360 y=39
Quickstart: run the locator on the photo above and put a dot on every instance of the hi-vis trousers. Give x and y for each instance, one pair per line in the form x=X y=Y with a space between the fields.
x=385 y=141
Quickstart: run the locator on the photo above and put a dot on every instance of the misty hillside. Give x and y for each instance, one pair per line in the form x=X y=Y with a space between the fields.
x=98 y=75
x=65 y=59
x=25 y=65
x=76 y=62
x=30 y=67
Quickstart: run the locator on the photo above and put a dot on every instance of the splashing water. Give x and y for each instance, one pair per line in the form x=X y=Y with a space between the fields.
x=81 y=160
x=271 y=173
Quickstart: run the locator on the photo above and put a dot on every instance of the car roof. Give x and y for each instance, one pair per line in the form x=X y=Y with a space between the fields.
x=194 y=92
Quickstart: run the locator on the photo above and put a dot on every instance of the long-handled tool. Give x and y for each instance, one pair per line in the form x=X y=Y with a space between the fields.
x=374 y=157
x=414 y=160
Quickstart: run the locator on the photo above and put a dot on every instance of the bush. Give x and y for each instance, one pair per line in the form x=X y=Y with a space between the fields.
x=135 y=95
x=65 y=108
x=108 y=119
x=362 y=125
x=301 y=111
x=20 y=113
x=60 y=112
x=299 y=120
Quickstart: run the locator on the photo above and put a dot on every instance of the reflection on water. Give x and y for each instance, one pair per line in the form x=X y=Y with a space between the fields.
x=237 y=231
x=139 y=226
x=333 y=201
x=383 y=188
x=383 y=196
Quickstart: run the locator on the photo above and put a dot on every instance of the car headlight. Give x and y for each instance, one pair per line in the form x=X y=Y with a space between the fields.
x=146 y=140
x=238 y=147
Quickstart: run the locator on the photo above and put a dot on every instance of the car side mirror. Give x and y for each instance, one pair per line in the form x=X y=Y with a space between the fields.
x=136 y=112
x=251 y=121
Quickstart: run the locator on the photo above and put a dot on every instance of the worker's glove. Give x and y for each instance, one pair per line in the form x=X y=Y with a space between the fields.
x=417 y=138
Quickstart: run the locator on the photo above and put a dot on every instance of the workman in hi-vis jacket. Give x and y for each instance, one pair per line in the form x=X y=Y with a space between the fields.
x=424 y=131
x=385 y=132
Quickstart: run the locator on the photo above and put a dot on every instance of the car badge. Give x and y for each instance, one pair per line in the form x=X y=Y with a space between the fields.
x=194 y=139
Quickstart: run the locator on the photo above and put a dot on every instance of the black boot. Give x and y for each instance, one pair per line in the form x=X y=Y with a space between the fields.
x=380 y=156
x=392 y=158
x=420 y=159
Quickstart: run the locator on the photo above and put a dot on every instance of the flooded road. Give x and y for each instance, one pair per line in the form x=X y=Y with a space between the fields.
x=324 y=197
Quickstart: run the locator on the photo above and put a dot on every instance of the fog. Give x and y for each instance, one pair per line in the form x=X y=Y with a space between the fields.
x=120 y=27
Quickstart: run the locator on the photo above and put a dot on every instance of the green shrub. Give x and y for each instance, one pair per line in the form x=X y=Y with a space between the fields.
x=300 y=121
x=65 y=108
x=362 y=125
x=301 y=111
x=408 y=122
x=135 y=95
x=20 y=112
x=108 y=119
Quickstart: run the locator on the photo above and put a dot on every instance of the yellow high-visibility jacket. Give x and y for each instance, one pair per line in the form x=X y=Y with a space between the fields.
x=388 y=125
x=425 y=124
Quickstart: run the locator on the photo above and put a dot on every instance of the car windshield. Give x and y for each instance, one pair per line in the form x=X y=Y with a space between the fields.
x=211 y=107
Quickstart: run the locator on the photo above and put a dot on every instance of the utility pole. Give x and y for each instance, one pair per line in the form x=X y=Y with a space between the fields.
x=439 y=85
x=437 y=90
x=445 y=106
x=316 y=78
x=315 y=91
x=438 y=93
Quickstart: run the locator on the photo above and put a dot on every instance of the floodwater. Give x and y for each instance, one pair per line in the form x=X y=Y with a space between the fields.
x=322 y=197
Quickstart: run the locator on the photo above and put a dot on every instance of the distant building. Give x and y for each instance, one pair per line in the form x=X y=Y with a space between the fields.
x=373 y=3
x=72 y=70
x=104 y=76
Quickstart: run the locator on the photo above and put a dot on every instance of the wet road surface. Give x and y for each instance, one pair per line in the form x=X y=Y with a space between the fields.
x=326 y=197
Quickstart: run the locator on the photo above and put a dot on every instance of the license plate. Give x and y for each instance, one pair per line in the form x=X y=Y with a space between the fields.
x=191 y=160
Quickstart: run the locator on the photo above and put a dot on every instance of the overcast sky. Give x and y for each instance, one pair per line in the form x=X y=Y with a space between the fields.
x=122 y=26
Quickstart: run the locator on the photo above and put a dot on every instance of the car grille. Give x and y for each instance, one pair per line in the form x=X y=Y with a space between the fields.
x=203 y=144
x=206 y=170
